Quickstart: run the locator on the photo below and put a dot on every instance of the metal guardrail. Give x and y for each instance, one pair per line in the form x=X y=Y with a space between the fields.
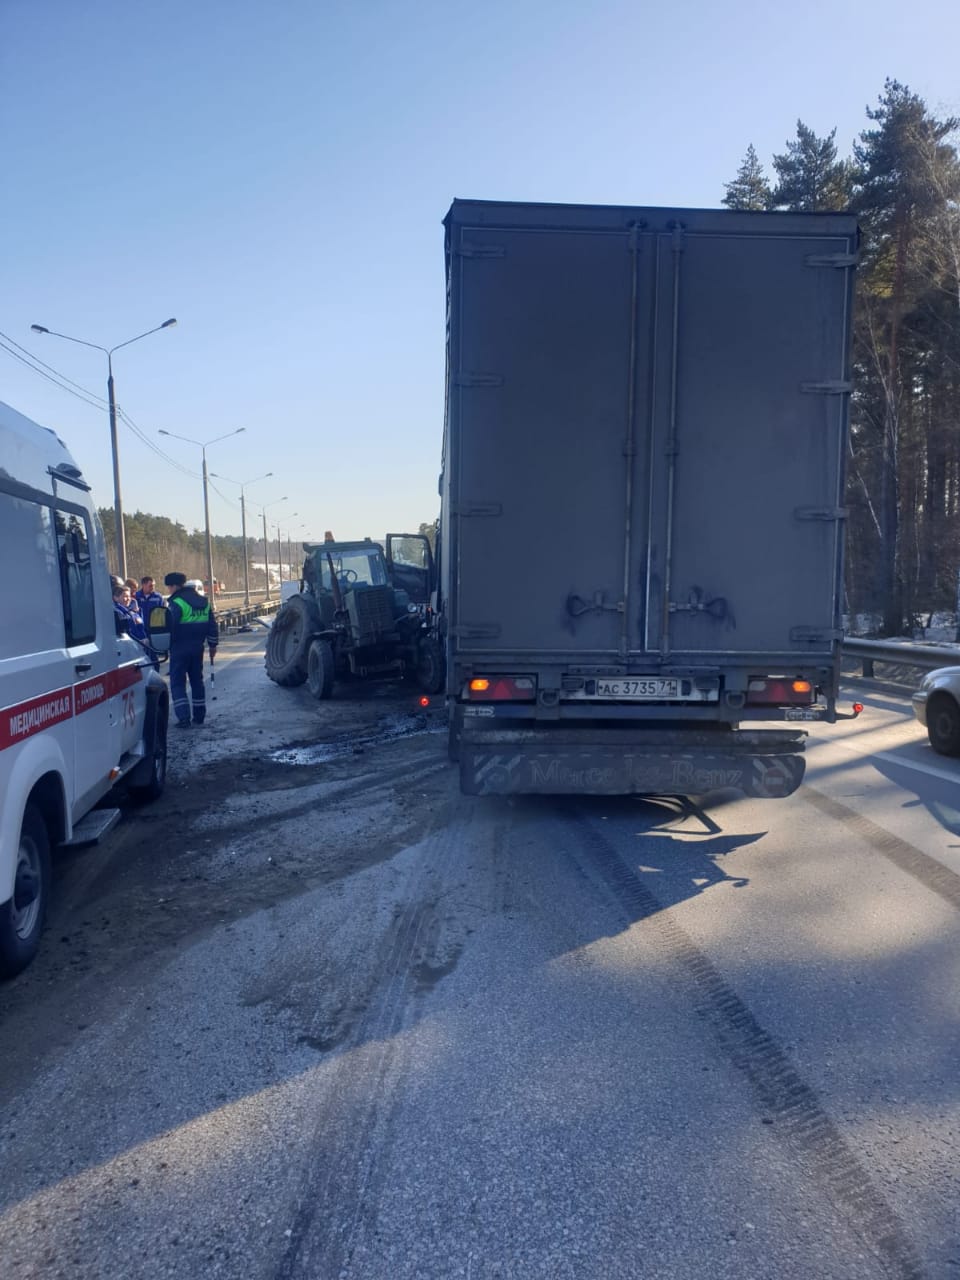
x=232 y=619
x=926 y=656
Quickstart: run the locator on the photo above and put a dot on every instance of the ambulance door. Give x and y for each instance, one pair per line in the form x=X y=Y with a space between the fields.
x=92 y=652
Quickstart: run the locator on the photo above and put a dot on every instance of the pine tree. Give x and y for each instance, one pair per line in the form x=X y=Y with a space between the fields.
x=907 y=183
x=810 y=179
x=750 y=188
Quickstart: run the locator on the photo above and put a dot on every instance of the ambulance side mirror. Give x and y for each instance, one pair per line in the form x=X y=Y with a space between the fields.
x=158 y=630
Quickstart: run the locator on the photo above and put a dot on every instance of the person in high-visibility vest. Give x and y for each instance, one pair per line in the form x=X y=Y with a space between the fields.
x=193 y=624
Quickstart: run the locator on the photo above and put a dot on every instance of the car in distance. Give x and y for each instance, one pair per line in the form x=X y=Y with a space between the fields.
x=936 y=704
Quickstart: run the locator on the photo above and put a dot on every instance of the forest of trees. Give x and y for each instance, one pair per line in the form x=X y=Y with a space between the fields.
x=903 y=492
x=156 y=546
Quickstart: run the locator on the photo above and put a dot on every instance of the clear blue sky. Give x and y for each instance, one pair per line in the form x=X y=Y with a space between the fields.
x=274 y=174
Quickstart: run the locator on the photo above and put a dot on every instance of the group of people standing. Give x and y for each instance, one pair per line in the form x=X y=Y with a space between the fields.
x=192 y=625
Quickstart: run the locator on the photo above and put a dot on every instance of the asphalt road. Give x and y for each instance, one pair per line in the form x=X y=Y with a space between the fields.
x=318 y=1015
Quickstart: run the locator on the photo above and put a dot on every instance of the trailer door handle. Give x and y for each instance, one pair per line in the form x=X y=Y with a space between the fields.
x=81 y=667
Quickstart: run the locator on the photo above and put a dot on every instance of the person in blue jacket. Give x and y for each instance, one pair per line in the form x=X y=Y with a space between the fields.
x=148 y=598
x=193 y=624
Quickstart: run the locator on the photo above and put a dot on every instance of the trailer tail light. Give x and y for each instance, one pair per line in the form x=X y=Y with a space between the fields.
x=502 y=689
x=779 y=691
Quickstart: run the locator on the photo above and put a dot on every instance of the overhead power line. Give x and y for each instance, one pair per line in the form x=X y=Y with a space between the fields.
x=62 y=376
x=142 y=436
x=87 y=397
x=47 y=371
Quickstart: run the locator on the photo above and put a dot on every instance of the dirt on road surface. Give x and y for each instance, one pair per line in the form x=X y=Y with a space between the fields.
x=317 y=1016
x=263 y=803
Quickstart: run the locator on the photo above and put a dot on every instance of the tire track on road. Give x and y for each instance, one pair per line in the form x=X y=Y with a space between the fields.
x=933 y=875
x=789 y=1105
x=347 y=1151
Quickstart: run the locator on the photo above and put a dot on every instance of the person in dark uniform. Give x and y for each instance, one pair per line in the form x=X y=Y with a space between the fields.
x=192 y=625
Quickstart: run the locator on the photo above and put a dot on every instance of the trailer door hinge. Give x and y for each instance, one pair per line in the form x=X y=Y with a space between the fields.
x=820 y=513
x=476 y=509
x=816 y=635
x=840 y=260
x=482 y=251
x=835 y=388
x=477 y=380
x=477 y=630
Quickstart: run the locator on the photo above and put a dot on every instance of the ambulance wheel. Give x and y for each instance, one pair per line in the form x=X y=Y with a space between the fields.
x=22 y=917
x=321 y=668
x=154 y=767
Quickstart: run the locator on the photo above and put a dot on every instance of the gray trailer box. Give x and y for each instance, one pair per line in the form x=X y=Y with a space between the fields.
x=643 y=473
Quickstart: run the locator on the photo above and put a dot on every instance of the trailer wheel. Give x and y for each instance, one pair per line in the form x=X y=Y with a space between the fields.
x=22 y=917
x=289 y=641
x=454 y=730
x=429 y=666
x=321 y=668
x=943 y=725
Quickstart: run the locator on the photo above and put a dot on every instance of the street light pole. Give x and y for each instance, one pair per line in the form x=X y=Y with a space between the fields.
x=280 y=548
x=243 y=525
x=203 y=446
x=121 y=538
x=266 y=544
x=300 y=529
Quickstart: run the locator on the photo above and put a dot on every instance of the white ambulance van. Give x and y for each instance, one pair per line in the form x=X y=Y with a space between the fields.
x=81 y=706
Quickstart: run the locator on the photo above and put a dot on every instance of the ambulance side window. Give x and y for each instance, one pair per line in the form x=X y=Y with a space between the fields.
x=76 y=578
x=30 y=578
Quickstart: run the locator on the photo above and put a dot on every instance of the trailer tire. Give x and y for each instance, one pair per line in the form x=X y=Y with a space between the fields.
x=22 y=918
x=454 y=730
x=430 y=674
x=321 y=669
x=289 y=641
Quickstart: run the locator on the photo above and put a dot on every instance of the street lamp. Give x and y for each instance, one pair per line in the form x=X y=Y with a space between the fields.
x=117 y=503
x=280 y=549
x=243 y=524
x=299 y=530
x=204 y=446
x=266 y=544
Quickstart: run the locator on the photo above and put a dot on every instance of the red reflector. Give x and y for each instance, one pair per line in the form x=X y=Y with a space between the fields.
x=424 y=701
x=857 y=708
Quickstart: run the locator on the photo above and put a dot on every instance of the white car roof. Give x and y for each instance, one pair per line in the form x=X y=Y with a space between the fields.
x=28 y=451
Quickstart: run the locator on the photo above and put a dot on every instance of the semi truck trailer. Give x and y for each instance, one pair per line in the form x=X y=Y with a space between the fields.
x=641 y=529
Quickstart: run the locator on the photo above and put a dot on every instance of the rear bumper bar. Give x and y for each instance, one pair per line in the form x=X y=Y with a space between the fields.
x=767 y=764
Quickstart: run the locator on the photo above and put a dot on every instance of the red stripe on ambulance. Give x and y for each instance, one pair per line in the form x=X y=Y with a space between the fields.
x=27 y=718
x=24 y=719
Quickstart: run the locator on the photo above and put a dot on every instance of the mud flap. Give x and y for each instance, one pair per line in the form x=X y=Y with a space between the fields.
x=765 y=765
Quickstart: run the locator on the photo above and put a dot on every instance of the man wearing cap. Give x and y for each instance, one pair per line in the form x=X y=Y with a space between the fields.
x=192 y=625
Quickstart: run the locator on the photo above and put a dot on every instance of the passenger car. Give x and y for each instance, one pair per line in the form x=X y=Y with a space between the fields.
x=936 y=704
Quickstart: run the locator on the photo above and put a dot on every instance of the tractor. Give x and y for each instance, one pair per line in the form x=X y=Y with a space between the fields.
x=359 y=614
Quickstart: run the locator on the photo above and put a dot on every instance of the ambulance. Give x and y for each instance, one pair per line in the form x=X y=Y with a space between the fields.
x=81 y=707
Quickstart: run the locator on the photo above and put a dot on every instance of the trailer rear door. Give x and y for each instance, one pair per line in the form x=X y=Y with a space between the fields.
x=647 y=439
